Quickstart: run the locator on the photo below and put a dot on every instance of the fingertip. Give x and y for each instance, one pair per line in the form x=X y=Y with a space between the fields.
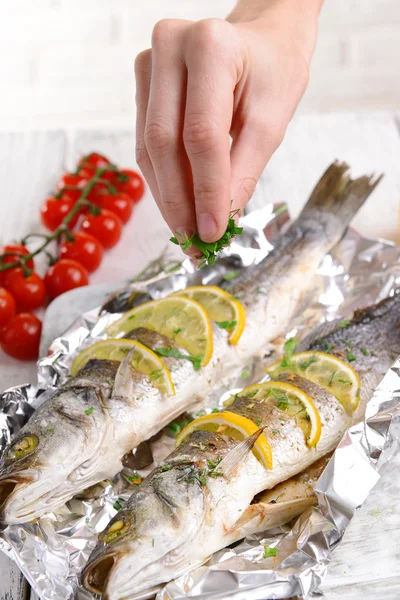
x=208 y=227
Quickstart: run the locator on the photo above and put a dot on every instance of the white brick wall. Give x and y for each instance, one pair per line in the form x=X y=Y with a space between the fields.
x=70 y=62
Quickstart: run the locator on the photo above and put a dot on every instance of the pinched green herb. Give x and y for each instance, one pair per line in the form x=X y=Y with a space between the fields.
x=209 y=250
x=268 y=552
x=226 y=324
x=350 y=356
x=89 y=411
x=174 y=352
x=288 y=349
x=344 y=324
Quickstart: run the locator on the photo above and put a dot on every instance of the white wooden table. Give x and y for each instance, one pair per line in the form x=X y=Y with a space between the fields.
x=366 y=565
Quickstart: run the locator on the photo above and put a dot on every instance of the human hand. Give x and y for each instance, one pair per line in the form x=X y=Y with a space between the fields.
x=203 y=82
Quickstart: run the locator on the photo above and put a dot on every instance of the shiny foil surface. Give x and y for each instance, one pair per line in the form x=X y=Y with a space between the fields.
x=52 y=551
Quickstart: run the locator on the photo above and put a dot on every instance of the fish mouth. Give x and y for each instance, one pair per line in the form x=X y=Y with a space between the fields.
x=95 y=575
x=7 y=493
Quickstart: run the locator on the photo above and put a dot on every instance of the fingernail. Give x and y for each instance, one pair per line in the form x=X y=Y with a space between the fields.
x=207 y=226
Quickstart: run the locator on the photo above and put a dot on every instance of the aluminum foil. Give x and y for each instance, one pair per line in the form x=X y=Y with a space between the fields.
x=52 y=551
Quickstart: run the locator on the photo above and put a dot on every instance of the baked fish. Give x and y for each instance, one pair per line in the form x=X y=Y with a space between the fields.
x=79 y=435
x=193 y=503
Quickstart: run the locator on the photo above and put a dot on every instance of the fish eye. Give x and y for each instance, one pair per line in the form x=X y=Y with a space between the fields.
x=115 y=530
x=23 y=447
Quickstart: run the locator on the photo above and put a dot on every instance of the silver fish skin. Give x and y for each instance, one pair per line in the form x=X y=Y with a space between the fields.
x=129 y=560
x=136 y=410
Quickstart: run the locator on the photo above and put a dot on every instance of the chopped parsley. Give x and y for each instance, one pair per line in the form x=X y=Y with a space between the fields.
x=226 y=324
x=344 y=381
x=119 y=504
x=258 y=422
x=131 y=317
x=231 y=275
x=176 y=331
x=89 y=411
x=324 y=346
x=166 y=468
x=282 y=399
x=215 y=410
x=330 y=382
x=344 y=324
x=245 y=373
x=50 y=429
x=201 y=413
x=209 y=249
x=135 y=479
x=268 y=552
x=275 y=431
x=350 y=356
x=174 y=353
x=364 y=351
x=288 y=350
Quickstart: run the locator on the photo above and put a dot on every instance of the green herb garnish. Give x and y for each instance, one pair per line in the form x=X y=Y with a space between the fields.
x=345 y=381
x=350 y=356
x=119 y=504
x=176 y=331
x=258 y=422
x=209 y=249
x=156 y=374
x=288 y=350
x=226 y=324
x=215 y=410
x=364 y=351
x=344 y=324
x=231 y=275
x=245 y=373
x=89 y=411
x=50 y=429
x=174 y=352
x=307 y=363
x=268 y=552
x=331 y=378
x=166 y=468
x=135 y=478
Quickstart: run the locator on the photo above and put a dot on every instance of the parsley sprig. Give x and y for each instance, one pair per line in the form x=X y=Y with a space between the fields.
x=174 y=352
x=209 y=249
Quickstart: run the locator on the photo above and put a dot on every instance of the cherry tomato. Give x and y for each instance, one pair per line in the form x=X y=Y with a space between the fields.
x=29 y=292
x=20 y=338
x=18 y=249
x=8 y=307
x=133 y=185
x=94 y=159
x=85 y=249
x=54 y=211
x=65 y=275
x=121 y=204
x=105 y=226
x=70 y=180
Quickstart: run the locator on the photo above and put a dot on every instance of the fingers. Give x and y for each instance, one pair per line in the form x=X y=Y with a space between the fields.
x=164 y=124
x=251 y=150
x=209 y=105
x=143 y=68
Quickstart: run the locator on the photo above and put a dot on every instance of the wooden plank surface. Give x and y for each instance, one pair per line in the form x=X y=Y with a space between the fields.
x=366 y=564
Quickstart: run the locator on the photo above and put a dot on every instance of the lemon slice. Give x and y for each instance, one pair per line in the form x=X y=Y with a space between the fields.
x=232 y=425
x=222 y=308
x=330 y=372
x=181 y=319
x=143 y=359
x=290 y=399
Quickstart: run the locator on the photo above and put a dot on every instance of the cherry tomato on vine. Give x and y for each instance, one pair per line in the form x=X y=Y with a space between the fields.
x=70 y=180
x=54 y=210
x=15 y=251
x=8 y=307
x=29 y=292
x=121 y=204
x=131 y=183
x=20 y=338
x=105 y=226
x=84 y=248
x=65 y=275
x=94 y=159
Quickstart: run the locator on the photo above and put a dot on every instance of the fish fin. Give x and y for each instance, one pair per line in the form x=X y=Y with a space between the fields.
x=229 y=463
x=338 y=194
x=123 y=383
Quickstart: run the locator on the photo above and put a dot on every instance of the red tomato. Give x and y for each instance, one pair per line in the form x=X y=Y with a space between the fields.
x=8 y=308
x=16 y=250
x=20 y=338
x=121 y=204
x=54 y=211
x=85 y=249
x=70 y=180
x=65 y=275
x=94 y=159
x=133 y=185
x=29 y=292
x=106 y=227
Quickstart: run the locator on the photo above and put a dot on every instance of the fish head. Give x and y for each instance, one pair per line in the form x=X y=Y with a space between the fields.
x=149 y=536
x=51 y=455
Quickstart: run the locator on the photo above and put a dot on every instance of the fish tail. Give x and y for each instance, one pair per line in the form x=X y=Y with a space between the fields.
x=337 y=194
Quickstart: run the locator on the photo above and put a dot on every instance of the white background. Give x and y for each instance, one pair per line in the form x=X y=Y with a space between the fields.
x=70 y=62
